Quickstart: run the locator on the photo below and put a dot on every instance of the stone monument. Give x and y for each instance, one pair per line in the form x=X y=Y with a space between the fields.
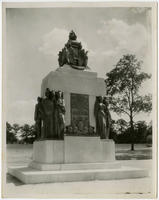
x=73 y=124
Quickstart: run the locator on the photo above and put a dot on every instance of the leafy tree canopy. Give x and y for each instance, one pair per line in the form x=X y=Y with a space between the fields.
x=123 y=83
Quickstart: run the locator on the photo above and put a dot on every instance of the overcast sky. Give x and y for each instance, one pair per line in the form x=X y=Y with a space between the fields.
x=36 y=35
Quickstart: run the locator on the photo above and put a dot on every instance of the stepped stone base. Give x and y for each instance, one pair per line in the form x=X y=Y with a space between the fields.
x=74 y=166
x=74 y=159
x=75 y=172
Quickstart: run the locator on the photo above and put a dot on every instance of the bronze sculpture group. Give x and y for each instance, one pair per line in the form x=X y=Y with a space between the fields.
x=73 y=54
x=50 y=122
x=49 y=115
x=102 y=117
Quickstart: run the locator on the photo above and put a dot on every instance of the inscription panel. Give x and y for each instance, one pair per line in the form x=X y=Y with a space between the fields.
x=80 y=111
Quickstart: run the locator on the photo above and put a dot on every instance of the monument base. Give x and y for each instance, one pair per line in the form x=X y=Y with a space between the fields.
x=74 y=149
x=65 y=161
x=72 y=172
x=74 y=166
x=48 y=151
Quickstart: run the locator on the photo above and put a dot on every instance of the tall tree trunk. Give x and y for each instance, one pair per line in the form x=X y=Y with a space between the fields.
x=131 y=117
x=132 y=132
x=132 y=146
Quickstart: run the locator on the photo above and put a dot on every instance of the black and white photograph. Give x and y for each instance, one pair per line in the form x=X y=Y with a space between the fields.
x=79 y=100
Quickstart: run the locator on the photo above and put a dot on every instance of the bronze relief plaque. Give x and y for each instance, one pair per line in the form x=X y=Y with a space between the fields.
x=80 y=111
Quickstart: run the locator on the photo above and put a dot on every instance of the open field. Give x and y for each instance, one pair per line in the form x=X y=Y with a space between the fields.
x=21 y=154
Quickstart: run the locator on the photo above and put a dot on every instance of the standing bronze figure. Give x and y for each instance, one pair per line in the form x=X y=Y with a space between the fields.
x=38 y=117
x=100 y=117
x=108 y=118
x=59 y=115
x=48 y=109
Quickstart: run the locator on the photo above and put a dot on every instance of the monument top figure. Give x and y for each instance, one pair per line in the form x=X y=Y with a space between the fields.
x=73 y=54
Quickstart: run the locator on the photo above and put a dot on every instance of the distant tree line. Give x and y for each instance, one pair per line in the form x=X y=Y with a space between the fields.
x=120 y=132
x=25 y=134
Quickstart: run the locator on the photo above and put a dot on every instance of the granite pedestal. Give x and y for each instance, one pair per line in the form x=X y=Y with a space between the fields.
x=88 y=149
x=74 y=149
x=74 y=159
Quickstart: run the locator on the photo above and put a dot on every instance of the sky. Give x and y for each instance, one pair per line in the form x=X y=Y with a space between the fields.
x=34 y=36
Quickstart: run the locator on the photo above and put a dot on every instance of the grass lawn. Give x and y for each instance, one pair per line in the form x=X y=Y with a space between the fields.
x=21 y=154
x=142 y=152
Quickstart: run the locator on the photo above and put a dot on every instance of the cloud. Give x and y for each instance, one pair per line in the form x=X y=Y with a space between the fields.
x=55 y=40
x=120 y=36
x=116 y=38
x=108 y=53
x=139 y=10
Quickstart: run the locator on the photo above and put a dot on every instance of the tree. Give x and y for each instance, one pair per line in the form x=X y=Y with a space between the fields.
x=140 y=131
x=149 y=134
x=10 y=136
x=121 y=126
x=33 y=134
x=15 y=129
x=123 y=84
x=28 y=133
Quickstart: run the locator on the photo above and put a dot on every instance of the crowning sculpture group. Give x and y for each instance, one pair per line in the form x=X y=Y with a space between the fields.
x=50 y=111
x=73 y=54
